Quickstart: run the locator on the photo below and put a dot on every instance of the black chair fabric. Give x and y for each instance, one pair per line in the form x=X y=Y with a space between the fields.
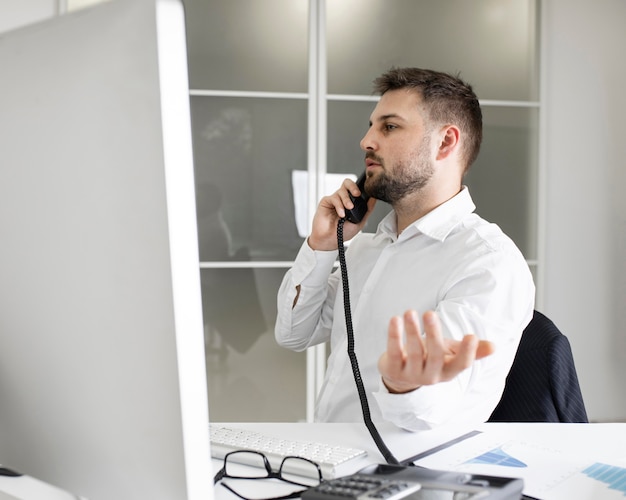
x=542 y=385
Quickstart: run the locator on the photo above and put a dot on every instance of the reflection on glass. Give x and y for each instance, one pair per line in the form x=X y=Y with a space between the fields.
x=231 y=307
x=492 y=43
x=247 y=44
x=249 y=377
x=214 y=237
x=244 y=152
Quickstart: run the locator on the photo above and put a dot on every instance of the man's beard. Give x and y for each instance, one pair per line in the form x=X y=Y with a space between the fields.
x=408 y=177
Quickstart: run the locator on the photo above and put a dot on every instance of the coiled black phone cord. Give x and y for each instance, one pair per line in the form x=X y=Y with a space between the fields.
x=352 y=355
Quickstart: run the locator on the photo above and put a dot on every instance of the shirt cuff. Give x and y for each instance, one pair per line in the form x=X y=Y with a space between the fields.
x=312 y=267
x=417 y=410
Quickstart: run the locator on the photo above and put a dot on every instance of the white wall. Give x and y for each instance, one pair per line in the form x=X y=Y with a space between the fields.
x=585 y=150
x=585 y=280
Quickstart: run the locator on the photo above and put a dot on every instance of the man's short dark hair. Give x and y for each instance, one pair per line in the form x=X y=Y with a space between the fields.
x=447 y=100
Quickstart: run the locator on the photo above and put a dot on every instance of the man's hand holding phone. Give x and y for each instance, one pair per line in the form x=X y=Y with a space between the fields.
x=330 y=209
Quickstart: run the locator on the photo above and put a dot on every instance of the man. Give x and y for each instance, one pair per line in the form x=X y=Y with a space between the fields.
x=430 y=253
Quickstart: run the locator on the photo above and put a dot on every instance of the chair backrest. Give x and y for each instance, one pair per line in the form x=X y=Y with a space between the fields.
x=542 y=385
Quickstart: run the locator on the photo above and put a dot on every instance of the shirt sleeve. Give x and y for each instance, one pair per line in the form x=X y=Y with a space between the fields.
x=308 y=322
x=419 y=409
x=493 y=298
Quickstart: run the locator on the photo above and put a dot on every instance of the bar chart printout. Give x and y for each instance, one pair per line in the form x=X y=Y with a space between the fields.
x=497 y=456
x=613 y=477
x=548 y=474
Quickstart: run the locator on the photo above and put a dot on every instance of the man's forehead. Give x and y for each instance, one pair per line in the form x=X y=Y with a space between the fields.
x=401 y=104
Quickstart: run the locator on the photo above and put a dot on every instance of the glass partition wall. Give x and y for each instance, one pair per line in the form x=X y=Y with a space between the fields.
x=281 y=96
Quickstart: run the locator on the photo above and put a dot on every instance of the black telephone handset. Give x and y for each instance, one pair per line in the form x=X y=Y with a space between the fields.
x=356 y=214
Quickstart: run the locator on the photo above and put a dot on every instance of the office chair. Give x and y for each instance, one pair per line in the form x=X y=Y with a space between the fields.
x=542 y=385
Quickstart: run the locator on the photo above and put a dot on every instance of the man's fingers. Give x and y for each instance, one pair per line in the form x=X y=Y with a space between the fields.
x=335 y=202
x=393 y=363
x=462 y=359
x=351 y=187
x=412 y=360
x=348 y=188
x=485 y=348
x=394 y=339
x=435 y=348
x=414 y=344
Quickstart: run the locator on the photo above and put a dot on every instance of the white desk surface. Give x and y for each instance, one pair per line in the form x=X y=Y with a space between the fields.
x=604 y=443
x=600 y=442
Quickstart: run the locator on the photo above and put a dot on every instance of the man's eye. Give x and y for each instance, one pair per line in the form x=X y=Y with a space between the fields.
x=389 y=126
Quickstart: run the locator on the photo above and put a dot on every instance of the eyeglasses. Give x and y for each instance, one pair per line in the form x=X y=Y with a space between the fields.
x=308 y=473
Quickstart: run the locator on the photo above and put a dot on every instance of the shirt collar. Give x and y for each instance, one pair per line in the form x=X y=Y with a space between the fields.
x=437 y=223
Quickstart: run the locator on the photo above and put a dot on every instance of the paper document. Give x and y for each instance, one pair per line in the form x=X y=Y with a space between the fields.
x=548 y=474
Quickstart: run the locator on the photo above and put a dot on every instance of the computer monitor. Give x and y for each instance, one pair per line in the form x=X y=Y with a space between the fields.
x=102 y=370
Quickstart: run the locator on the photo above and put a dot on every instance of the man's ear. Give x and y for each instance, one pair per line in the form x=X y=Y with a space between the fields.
x=448 y=141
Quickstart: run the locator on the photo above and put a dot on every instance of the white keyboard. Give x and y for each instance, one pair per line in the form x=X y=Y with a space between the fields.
x=332 y=459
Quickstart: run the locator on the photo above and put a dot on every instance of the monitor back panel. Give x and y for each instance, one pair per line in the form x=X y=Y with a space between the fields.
x=102 y=379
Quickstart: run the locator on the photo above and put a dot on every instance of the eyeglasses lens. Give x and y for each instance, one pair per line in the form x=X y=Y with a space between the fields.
x=295 y=474
x=300 y=471
x=256 y=461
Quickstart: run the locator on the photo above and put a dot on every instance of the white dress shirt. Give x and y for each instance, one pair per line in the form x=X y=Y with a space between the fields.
x=451 y=261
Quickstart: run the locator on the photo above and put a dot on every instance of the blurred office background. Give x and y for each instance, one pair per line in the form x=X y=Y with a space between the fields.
x=280 y=90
